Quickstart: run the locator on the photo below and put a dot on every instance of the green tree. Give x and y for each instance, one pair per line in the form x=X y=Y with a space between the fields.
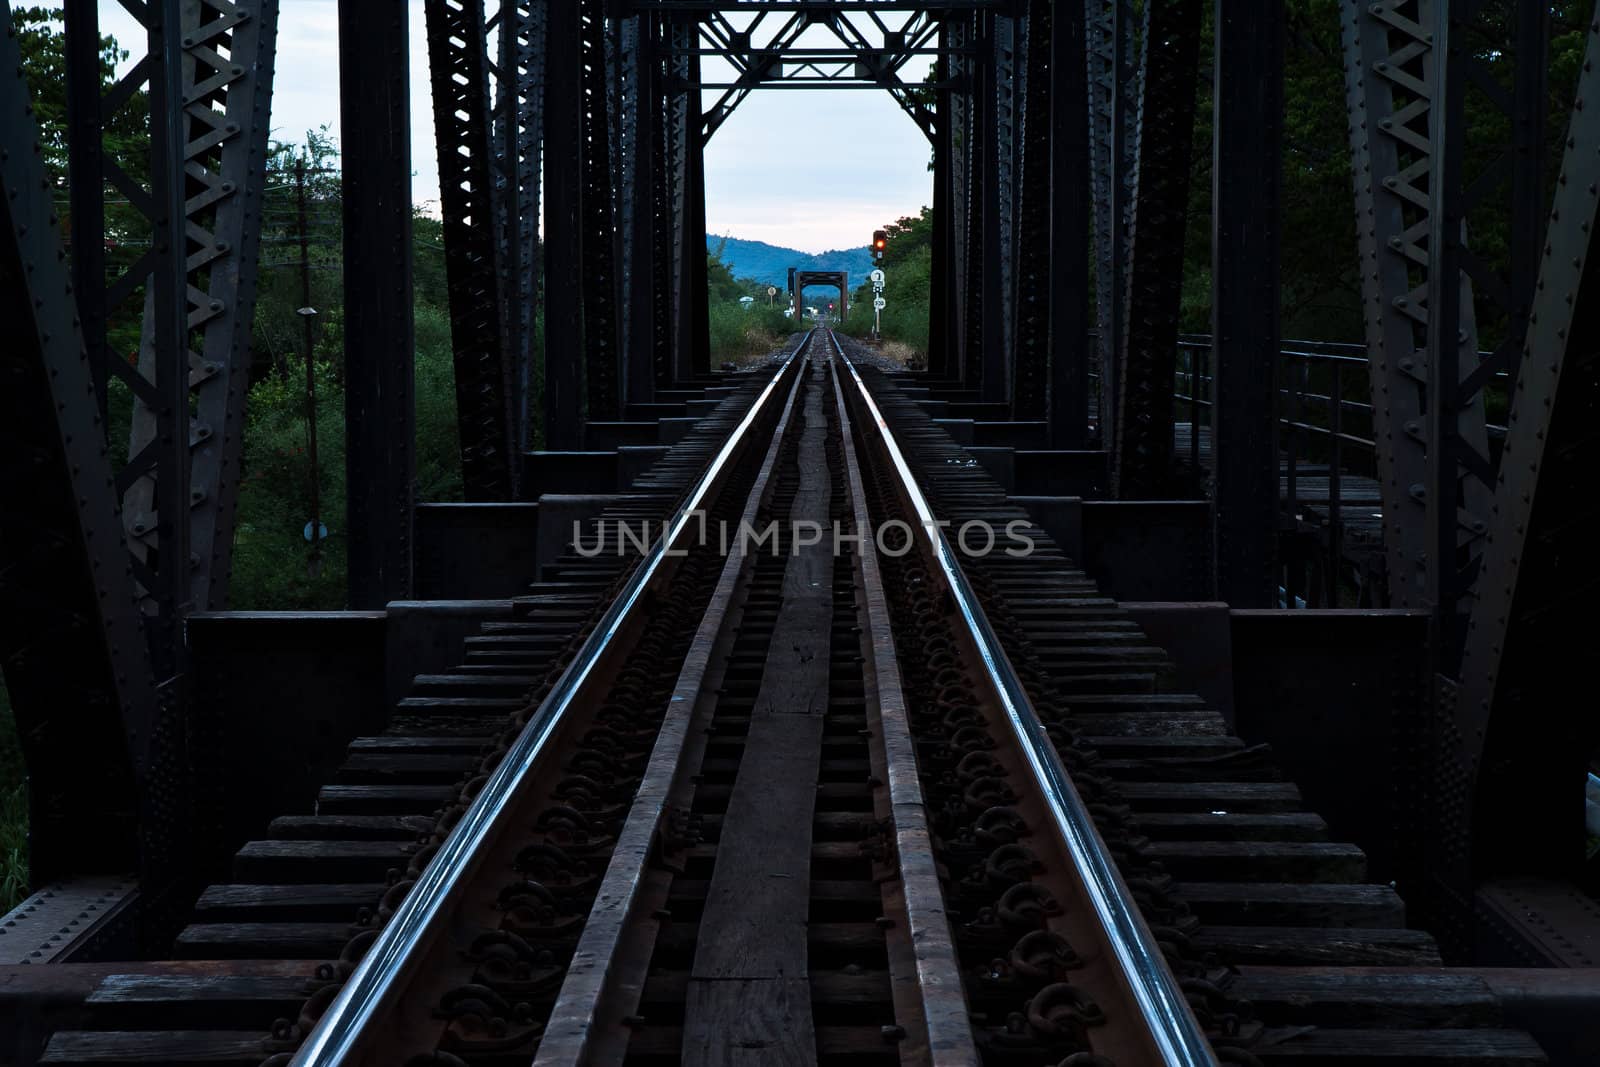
x=42 y=43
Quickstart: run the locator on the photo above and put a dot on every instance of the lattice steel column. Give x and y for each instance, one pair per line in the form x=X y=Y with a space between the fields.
x=375 y=116
x=985 y=362
x=207 y=170
x=1030 y=366
x=1392 y=84
x=1112 y=96
x=1141 y=442
x=1517 y=739
x=695 y=240
x=640 y=123
x=1006 y=53
x=1069 y=222
x=683 y=128
x=994 y=155
x=956 y=103
x=668 y=135
x=941 y=313
x=563 y=237
x=687 y=152
x=458 y=61
x=1247 y=156
x=517 y=142
x=71 y=640
x=601 y=351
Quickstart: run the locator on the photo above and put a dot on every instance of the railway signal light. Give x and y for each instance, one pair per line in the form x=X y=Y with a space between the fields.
x=880 y=241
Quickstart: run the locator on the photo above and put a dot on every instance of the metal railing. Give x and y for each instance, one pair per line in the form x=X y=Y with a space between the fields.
x=1164 y=1010
x=378 y=978
x=1324 y=428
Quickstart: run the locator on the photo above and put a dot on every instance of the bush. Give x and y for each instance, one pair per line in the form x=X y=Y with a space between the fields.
x=271 y=557
x=272 y=561
x=906 y=293
x=738 y=333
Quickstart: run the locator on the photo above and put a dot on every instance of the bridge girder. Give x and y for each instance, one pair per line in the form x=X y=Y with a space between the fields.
x=1476 y=533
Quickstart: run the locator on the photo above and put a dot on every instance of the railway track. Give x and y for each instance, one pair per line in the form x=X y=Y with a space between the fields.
x=857 y=794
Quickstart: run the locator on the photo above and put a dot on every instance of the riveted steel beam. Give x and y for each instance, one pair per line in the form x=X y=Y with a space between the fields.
x=516 y=144
x=1030 y=371
x=1069 y=222
x=1394 y=90
x=1515 y=737
x=1112 y=78
x=1007 y=49
x=208 y=75
x=563 y=243
x=641 y=118
x=1247 y=154
x=601 y=330
x=375 y=109
x=1141 y=439
x=71 y=635
x=474 y=241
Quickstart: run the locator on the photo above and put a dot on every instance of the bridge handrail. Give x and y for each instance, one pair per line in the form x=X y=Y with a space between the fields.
x=1139 y=959
x=369 y=989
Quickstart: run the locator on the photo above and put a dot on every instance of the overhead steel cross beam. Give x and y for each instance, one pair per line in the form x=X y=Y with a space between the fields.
x=899 y=48
x=703 y=7
x=856 y=63
x=752 y=66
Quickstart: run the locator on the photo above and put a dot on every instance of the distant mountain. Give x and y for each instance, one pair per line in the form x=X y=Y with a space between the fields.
x=770 y=264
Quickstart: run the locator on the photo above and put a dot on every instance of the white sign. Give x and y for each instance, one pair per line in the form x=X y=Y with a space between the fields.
x=772 y=291
x=879 y=304
x=877 y=277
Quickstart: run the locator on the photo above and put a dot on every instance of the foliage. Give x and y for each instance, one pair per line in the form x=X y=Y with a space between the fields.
x=44 y=64
x=13 y=811
x=126 y=139
x=907 y=269
x=739 y=331
x=1320 y=294
x=271 y=556
x=278 y=331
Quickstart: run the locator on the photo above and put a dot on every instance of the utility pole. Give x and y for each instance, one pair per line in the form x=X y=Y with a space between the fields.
x=308 y=313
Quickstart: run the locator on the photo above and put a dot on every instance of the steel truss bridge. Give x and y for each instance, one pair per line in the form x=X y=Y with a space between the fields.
x=1175 y=469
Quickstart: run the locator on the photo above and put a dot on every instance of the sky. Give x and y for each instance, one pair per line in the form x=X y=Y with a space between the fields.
x=812 y=170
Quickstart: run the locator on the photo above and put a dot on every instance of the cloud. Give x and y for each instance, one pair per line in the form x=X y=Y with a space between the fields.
x=815 y=169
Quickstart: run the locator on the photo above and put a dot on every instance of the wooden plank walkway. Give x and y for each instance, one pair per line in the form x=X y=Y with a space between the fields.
x=749 y=996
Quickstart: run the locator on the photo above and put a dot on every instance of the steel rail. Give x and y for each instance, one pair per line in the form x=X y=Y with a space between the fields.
x=388 y=962
x=1172 y=1027
x=586 y=1016
x=940 y=993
